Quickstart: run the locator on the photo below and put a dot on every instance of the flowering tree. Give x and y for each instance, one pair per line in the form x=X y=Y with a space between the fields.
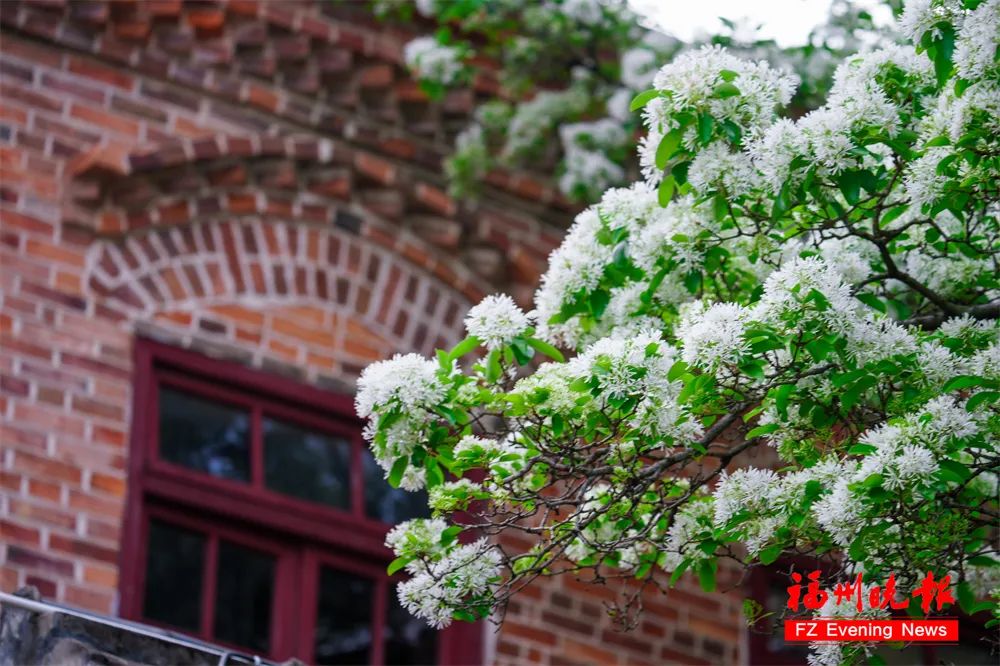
x=827 y=287
x=569 y=69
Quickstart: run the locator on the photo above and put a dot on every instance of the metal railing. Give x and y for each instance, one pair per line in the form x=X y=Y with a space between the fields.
x=225 y=656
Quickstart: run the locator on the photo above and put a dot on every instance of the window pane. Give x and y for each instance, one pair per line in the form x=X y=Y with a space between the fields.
x=344 y=618
x=408 y=640
x=388 y=504
x=204 y=435
x=243 y=593
x=306 y=464
x=173 y=576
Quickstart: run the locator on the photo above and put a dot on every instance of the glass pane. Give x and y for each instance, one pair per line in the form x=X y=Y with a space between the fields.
x=173 y=576
x=343 y=618
x=306 y=464
x=243 y=593
x=204 y=435
x=408 y=640
x=388 y=504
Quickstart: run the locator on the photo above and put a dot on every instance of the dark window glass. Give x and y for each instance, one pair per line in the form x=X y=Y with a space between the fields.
x=408 y=639
x=343 y=618
x=388 y=504
x=204 y=435
x=243 y=593
x=173 y=576
x=306 y=464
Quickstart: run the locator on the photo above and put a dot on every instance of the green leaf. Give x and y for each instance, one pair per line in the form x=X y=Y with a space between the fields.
x=676 y=370
x=706 y=574
x=692 y=281
x=944 y=49
x=725 y=89
x=728 y=75
x=705 y=125
x=679 y=571
x=598 y=302
x=850 y=185
x=449 y=535
x=397 y=471
x=397 y=564
x=493 y=369
x=435 y=477
x=759 y=431
x=666 y=191
x=954 y=471
x=872 y=301
x=668 y=146
x=545 y=348
x=861 y=449
x=872 y=481
x=642 y=99
x=964 y=382
x=980 y=398
x=463 y=348
x=769 y=555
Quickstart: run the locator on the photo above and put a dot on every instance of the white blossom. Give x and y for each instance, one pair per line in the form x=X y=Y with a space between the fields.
x=436 y=589
x=713 y=334
x=693 y=77
x=407 y=380
x=496 y=321
x=433 y=61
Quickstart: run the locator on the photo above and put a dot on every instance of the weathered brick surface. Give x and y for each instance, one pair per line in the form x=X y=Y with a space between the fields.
x=259 y=181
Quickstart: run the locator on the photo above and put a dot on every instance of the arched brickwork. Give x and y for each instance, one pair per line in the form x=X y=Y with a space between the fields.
x=269 y=263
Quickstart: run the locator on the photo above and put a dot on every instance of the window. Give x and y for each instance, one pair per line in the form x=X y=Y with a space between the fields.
x=256 y=520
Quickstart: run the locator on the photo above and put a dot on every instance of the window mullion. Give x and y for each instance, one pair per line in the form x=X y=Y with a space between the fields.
x=208 y=589
x=257 y=447
x=357 y=478
x=379 y=612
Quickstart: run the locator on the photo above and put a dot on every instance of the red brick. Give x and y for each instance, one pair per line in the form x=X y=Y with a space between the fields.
x=16 y=532
x=34 y=560
x=92 y=70
x=112 y=121
x=91 y=599
x=48 y=468
x=74 y=546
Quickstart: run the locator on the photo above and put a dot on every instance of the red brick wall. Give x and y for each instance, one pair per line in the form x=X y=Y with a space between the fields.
x=256 y=181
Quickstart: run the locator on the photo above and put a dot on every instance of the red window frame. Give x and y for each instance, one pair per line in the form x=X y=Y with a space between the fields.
x=300 y=534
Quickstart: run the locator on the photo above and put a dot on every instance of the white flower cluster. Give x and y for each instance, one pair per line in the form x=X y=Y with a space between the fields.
x=408 y=386
x=824 y=138
x=496 y=321
x=453 y=495
x=438 y=587
x=551 y=384
x=534 y=119
x=407 y=381
x=978 y=31
x=433 y=61
x=690 y=523
x=585 y=149
x=712 y=334
x=693 y=79
x=765 y=496
x=906 y=455
x=638 y=366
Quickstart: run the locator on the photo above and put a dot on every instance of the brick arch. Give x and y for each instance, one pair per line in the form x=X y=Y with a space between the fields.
x=474 y=246
x=371 y=297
